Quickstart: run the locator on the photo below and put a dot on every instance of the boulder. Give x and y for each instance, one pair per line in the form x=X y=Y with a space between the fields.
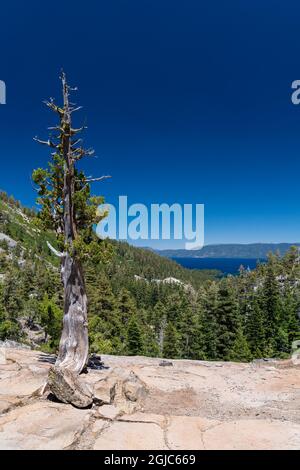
x=104 y=391
x=133 y=388
x=68 y=388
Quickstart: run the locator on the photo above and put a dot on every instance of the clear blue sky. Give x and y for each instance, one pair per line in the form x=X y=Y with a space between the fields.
x=186 y=101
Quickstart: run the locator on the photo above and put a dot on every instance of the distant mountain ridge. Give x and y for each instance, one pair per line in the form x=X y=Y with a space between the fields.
x=231 y=250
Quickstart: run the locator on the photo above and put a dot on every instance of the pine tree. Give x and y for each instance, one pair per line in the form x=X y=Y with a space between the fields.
x=228 y=319
x=126 y=306
x=156 y=314
x=68 y=207
x=9 y=328
x=51 y=319
x=255 y=327
x=13 y=293
x=151 y=345
x=291 y=320
x=134 y=338
x=240 y=351
x=208 y=304
x=290 y=263
x=171 y=349
x=191 y=334
x=271 y=306
x=104 y=318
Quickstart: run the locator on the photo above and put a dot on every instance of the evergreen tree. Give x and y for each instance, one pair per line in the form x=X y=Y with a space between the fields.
x=151 y=345
x=134 y=338
x=51 y=320
x=240 y=351
x=271 y=306
x=104 y=317
x=290 y=318
x=291 y=263
x=171 y=348
x=126 y=306
x=175 y=309
x=156 y=315
x=208 y=304
x=255 y=327
x=68 y=208
x=191 y=333
x=13 y=293
x=228 y=320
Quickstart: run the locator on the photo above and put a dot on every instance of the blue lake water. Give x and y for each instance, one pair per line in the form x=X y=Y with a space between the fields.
x=225 y=265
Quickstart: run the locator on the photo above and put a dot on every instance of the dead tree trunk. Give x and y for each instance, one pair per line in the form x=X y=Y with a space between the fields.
x=73 y=347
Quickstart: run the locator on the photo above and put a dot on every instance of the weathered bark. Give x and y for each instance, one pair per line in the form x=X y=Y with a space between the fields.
x=68 y=387
x=73 y=347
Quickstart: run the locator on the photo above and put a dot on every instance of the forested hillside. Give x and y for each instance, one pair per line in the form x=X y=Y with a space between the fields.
x=136 y=306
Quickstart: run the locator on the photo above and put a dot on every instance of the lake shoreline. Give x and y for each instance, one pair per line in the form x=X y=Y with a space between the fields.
x=223 y=265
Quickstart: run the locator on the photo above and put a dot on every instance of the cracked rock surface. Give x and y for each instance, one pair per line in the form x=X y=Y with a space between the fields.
x=140 y=405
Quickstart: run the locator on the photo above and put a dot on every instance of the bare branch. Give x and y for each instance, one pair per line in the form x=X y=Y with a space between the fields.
x=88 y=152
x=72 y=110
x=80 y=129
x=45 y=142
x=76 y=142
x=93 y=180
x=54 y=251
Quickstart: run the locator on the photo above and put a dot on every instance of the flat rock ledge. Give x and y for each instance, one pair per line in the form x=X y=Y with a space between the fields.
x=137 y=404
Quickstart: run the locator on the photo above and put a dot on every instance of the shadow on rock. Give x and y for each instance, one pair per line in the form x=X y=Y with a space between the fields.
x=47 y=358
